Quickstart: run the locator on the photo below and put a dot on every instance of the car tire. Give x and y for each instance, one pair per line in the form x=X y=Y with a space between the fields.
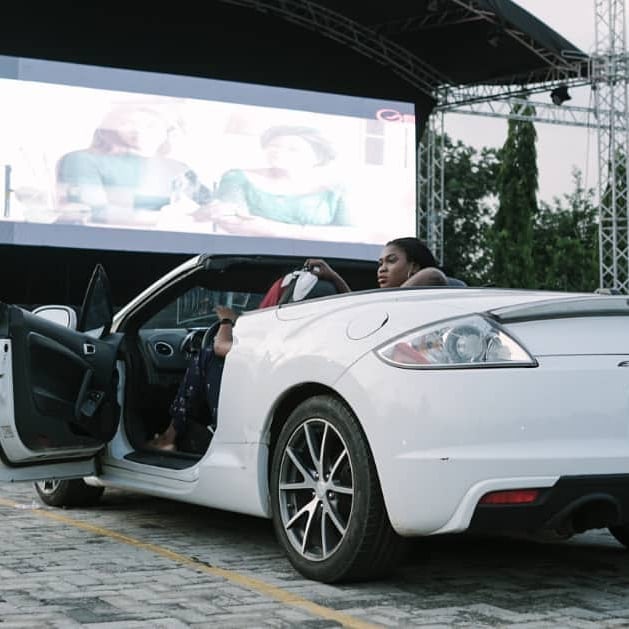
x=327 y=505
x=68 y=493
x=621 y=533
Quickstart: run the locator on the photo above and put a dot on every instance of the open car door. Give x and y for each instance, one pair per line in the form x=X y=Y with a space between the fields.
x=58 y=389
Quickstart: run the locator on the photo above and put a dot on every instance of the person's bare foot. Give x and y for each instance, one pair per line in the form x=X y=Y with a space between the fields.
x=158 y=444
x=165 y=441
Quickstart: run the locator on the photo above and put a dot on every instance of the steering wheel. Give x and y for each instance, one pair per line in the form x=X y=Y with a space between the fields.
x=197 y=339
x=191 y=343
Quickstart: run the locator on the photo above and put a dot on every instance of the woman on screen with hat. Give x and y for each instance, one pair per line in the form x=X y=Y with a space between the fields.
x=294 y=195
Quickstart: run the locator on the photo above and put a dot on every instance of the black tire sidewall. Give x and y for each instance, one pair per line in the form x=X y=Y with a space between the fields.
x=338 y=415
x=621 y=533
x=71 y=493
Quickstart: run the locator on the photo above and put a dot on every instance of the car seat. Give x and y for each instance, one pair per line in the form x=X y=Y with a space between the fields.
x=302 y=284
x=453 y=281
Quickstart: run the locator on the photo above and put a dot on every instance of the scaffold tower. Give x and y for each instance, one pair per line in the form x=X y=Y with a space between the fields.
x=609 y=74
x=431 y=185
x=608 y=77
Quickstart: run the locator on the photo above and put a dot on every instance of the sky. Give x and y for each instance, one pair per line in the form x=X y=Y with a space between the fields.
x=559 y=148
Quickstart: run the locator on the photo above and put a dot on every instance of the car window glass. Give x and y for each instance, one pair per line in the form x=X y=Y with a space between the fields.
x=195 y=308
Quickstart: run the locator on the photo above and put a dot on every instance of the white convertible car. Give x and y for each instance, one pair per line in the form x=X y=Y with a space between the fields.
x=353 y=421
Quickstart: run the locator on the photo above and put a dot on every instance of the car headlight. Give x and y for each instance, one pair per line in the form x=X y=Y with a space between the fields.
x=471 y=341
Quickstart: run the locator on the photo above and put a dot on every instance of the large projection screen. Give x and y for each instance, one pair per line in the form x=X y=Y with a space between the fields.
x=116 y=159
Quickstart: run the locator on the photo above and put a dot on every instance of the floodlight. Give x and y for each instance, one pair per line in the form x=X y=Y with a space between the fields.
x=560 y=95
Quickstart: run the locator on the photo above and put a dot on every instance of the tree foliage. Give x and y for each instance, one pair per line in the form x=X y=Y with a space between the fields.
x=512 y=234
x=565 y=241
x=551 y=246
x=470 y=188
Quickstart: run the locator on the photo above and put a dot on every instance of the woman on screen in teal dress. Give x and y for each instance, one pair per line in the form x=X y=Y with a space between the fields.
x=293 y=197
x=125 y=176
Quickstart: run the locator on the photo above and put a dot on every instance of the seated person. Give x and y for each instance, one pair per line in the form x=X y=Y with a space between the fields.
x=126 y=177
x=294 y=195
x=194 y=401
x=403 y=262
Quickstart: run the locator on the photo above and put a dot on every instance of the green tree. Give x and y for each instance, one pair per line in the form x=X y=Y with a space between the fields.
x=470 y=188
x=512 y=234
x=565 y=241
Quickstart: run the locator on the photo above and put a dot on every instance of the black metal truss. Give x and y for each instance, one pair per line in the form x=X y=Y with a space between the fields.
x=372 y=42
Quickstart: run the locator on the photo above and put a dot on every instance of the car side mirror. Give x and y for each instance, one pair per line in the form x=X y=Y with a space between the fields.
x=61 y=315
x=97 y=311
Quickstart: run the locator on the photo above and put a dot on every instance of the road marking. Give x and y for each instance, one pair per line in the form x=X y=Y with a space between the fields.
x=251 y=583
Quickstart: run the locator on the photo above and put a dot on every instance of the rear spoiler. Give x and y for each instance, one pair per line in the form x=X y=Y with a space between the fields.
x=594 y=306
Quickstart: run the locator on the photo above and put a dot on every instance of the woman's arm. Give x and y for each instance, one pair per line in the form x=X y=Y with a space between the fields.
x=224 y=338
x=324 y=271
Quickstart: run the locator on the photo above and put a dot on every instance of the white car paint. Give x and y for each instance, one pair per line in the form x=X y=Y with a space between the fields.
x=440 y=438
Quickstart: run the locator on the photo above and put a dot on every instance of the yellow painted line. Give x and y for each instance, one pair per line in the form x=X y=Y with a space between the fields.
x=257 y=585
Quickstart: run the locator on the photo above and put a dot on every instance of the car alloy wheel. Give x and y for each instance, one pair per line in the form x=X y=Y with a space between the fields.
x=316 y=489
x=68 y=493
x=326 y=502
x=48 y=487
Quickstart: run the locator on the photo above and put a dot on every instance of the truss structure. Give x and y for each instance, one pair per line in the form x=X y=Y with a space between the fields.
x=544 y=112
x=610 y=77
x=366 y=40
x=374 y=42
x=431 y=186
x=608 y=74
x=467 y=96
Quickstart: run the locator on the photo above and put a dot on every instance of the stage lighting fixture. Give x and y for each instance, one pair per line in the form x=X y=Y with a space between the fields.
x=560 y=95
x=433 y=6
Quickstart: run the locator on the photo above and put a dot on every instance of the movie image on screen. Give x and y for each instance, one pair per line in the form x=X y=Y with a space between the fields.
x=153 y=162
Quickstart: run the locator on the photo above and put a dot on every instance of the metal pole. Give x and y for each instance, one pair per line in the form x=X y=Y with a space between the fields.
x=610 y=76
x=7 y=190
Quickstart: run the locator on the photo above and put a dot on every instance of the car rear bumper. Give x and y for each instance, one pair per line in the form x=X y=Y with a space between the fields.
x=443 y=439
x=573 y=504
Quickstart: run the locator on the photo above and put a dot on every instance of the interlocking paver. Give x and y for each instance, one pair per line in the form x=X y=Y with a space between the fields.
x=55 y=575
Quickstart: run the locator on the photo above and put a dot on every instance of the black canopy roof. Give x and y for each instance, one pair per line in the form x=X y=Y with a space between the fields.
x=357 y=47
x=469 y=41
x=392 y=49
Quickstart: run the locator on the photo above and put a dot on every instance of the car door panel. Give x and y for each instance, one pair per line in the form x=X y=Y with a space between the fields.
x=63 y=389
x=164 y=349
x=58 y=374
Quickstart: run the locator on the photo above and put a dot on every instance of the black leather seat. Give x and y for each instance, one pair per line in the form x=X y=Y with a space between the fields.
x=453 y=281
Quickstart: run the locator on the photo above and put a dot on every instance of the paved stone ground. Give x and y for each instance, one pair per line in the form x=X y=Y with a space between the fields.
x=53 y=574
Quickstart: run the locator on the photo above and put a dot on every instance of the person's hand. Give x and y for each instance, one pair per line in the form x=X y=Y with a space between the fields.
x=321 y=269
x=220 y=211
x=224 y=312
x=73 y=213
x=203 y=213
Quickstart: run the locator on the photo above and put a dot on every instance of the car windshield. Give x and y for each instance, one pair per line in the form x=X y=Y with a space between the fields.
x=195 y=308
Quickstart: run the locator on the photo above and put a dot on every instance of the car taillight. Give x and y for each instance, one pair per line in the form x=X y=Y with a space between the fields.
x=510 y=497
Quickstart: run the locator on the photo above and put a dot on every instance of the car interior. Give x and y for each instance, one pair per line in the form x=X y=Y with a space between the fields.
x=162 y=336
